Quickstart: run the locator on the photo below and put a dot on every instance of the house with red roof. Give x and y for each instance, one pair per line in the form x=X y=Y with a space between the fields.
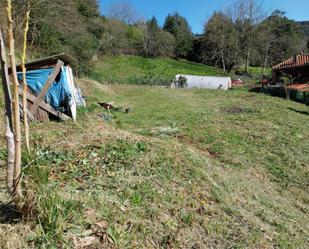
x=297 y=68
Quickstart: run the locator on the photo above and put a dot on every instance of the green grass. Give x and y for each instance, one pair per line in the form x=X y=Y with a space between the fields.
x=139 y=70
x=158 y=71
x=184 y=169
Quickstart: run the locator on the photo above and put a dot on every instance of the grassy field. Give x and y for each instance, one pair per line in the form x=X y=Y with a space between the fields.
x=139 y=70
x=184 y=169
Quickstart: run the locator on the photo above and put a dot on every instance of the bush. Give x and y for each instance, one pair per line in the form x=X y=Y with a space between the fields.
x=150 y=79
x=181 y=82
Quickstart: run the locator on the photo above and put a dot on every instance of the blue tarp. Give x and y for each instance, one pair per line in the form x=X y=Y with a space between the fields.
x=58 y=94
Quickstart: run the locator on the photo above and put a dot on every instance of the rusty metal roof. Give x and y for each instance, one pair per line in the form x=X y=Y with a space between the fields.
x=296 y=61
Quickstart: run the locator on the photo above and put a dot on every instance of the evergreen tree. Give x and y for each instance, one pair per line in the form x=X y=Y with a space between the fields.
x=178 y=26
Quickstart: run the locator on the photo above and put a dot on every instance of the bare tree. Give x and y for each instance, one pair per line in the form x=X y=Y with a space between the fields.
x=248 y=14
x=142 y=25
x=123 y=11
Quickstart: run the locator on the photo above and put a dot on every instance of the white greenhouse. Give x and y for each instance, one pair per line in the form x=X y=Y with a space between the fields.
x=209 y=82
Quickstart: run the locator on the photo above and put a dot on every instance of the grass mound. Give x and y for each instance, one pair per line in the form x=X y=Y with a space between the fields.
x=145 y=71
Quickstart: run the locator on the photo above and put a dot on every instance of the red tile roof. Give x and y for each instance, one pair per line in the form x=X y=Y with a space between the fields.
x=297 y=61
x=300 y=87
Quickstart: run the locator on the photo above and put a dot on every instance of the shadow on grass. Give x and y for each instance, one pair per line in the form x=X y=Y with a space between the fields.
x=9 y=215
x=298 y=111
x=257 y=89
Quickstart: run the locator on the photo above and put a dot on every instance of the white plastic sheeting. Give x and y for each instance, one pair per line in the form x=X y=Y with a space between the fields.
x=209 y=82
x=77 y=99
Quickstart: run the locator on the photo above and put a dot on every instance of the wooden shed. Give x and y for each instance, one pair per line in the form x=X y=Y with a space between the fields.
x=52 y=92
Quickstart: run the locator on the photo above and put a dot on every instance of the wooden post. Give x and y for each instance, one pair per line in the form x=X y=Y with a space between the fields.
x=47 y=85
x=8 y=118
x=25 y=86
x=17 y=195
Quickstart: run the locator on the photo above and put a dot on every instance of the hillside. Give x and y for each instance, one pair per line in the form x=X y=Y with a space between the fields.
x=184 y=169
x=140 y=70
x=128 y=69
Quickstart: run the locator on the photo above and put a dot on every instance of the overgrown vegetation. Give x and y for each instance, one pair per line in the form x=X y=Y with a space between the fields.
x=139 y=70
x=186 y=168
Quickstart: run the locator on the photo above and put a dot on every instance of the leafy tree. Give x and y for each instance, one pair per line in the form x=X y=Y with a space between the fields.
x=134 y=38
x=239 y=36
x=280 y=38
x=156 y=42
x=221 y=41
x=114 y=39
x=166 y=44
x=88 y=8
x=178 y=26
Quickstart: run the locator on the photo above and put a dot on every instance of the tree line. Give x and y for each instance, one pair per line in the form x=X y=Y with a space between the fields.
x=238 y=36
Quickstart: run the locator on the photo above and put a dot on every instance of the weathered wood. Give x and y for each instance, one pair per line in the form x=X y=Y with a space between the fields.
x=49 y=62
x=47 y=85
x=8 y=117
x=30 y=116
x=48 y=108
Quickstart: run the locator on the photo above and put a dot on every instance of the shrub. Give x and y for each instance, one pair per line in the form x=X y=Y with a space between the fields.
x=181 y=82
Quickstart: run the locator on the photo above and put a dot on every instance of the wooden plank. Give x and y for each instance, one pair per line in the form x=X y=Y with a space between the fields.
x=31 y=118
x=48 y=108
x=47 y=85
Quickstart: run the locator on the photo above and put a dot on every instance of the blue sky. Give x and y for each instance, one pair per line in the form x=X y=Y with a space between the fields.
x=197 y=11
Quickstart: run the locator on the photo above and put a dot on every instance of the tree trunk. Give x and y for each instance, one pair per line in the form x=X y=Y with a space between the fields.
x=17 y=196
x=247 y=60
x=25 y=86
x=8 y=118
x=265 y=58
x=11 y=157
x=223 y=61
x=234 y=57
x=287 y=91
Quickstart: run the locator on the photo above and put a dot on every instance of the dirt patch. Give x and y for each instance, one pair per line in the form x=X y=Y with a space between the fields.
x=8 y=214
x=234 y=109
